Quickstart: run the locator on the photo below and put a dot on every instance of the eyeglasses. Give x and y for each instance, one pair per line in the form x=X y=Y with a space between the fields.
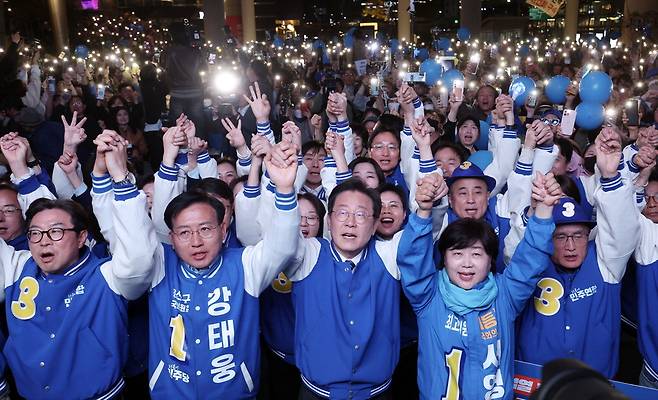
x=205 y=232
x=653 y=197
x=9 y=210
x=579 y=237
x=360 y=216
x=54 y=234
x=379 y=147
x=311 y=220
x=551 y=122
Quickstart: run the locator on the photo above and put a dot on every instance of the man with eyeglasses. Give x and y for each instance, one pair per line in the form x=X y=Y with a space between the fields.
x=12 y=224
x=576 y=311
x=346 y=295
x=67 y=308
x=203 y=302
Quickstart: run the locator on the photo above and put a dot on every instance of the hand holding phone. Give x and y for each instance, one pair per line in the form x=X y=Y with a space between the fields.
x=568 y=122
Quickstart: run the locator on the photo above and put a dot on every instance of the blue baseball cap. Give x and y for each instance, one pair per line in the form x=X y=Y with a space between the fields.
x=469 y=170
x=568 y=211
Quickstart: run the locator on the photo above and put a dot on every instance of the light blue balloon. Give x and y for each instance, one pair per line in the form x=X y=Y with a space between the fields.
x=450 y=75
x=556 y=90
x=463 y=34
x=590 y=115
x=81 y=51
x=422 y=54
x=520 y=89
x=595 y=87
x=443 y=43
x=481 y=158
x=394 y=44
x=348 y=41
x=278 y=42
x=432 y=70
x=483 y=141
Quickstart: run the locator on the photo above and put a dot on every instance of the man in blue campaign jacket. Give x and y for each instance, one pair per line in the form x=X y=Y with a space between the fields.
x=646 y=258
x=66 y=308
x=203 y=304
x=577 y=307
x=465 y=313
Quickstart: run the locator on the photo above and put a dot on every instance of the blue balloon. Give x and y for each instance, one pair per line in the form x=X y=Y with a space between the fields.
x=432 y=70
x=325 y=59
x=394 y=44
x=421 y=54
x=524 y=50
x=481 y=158
x=556 y=90
x=278 y=42
x=463 y=34
x=450 y=75
x=81 y=51
x=589 y=115
x=318 y=44
x=443 y=43
x=520 y=89
x=348 y=41
x=595 y=87
x=483 y=140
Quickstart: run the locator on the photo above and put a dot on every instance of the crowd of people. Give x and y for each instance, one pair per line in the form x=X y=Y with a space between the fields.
x=280 y=221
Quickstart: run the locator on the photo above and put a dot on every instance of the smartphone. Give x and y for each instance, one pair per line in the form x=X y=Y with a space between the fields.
x=211 y=58
x=632 y=111
x=473 y=64
x=532 y=99
x=129 y=150
x=52 y=84
x=374 y=87
x=100 y=92
x=414 y=77
x=443 y=97
x=458 y=89
x=568 y=122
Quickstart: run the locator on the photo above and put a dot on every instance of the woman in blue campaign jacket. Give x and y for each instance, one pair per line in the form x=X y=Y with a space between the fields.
x=465 y=314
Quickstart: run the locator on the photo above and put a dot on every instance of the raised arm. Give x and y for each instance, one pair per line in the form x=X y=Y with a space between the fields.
x=261 y=108
x=130 y=272
x=532 y=256
x=415 y=251
x=266 y=259
x=617 y=218
x=167 y=185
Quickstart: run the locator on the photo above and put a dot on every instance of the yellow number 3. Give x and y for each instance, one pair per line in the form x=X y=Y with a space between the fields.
x=24 y=308
x=548 y=302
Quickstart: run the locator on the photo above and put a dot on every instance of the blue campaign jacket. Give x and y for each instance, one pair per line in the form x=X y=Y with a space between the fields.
x=218 y=356
x=574 y=315
x=74 y=331
x=277 y=318
x=468 y=356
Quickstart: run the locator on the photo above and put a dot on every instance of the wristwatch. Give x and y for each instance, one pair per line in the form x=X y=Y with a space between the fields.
x=129 y=179
x=33 y=163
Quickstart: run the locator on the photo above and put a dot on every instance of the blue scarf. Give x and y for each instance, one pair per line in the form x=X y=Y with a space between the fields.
x=461 y=301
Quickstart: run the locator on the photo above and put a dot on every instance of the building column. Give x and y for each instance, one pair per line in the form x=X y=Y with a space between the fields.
x=59 y=22
x=213 y=20
x=404 y=21
x=571 y=19
x=248 y=21
x=640 y=8
x=470 y=16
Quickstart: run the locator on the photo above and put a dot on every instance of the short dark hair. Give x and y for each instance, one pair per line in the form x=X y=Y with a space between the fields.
x=389 y=187
x=187 y=199
x=355 y=185
x=214 y=186
x=240 y=179
x=124 y=85
x=367 y=160
x=78 y=214
x=566 y=147
x=10 y=187
x=458 y=148
x=319 y=209
x=312 y=145
x=146 y=180
x=465 y=232
x=389 y=123
x=653 y=177
x=568 y=186
x=226 y=160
